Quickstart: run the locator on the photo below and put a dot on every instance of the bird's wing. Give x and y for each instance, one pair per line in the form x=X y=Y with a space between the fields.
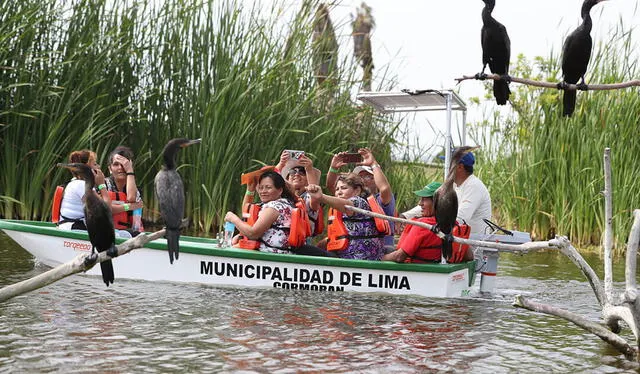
x=99 y=224
x=170 y=196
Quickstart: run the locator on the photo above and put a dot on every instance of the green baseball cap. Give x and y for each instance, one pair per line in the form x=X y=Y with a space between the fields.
x=428 y=190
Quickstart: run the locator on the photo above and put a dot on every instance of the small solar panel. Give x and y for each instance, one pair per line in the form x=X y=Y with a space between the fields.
x=416 y=101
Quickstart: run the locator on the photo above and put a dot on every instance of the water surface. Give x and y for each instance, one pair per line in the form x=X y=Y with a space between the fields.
x=78 y=325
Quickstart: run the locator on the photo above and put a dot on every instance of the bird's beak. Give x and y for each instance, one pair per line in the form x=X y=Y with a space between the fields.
x=191 y=142
x=67 y=166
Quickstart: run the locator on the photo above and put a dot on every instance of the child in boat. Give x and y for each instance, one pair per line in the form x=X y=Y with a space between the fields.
x=124 y=193
x=270 y=232
x=418 y=244
x=374 y=180
x=352 y=235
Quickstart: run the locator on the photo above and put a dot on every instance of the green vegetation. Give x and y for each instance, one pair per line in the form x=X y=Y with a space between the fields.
x=96 y=74
x=545 y=173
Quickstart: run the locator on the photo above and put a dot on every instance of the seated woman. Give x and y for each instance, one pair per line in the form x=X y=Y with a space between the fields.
x=124 y=193
x=71 y=216
x=418 y=244
x=270 y=231
x=299 y=177
x=352 y=235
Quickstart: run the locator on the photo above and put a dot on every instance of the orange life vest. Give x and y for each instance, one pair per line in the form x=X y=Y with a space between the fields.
x=339 y=235
x=122 y=220
x=459 y=250
x=298 y=232
x=57 y=202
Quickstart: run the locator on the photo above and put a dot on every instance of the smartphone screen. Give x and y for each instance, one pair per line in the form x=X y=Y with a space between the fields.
x=352 y=157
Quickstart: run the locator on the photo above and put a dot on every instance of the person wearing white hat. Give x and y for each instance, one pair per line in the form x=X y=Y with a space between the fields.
x=374 y=180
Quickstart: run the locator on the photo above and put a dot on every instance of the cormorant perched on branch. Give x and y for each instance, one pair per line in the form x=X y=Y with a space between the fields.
x=445 y=203
x=576 y=52
x=170 y=193
x=496 y=51
x=97 y=216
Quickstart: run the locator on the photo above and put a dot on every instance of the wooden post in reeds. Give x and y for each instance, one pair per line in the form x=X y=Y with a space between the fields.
x=325 y=46
x=625 y=307
x=362 y=25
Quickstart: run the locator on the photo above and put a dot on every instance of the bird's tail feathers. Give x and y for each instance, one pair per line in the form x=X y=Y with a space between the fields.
x=447 y=246
x=568 y=102
x=501 y=92
x=107 y=272
x=173 y=245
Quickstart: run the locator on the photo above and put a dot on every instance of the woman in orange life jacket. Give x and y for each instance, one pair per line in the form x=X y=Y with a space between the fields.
x=299 y=174
x=274 y=220
x=418 y=244
x=365 y=241
x=72 y=206
x=125 y=196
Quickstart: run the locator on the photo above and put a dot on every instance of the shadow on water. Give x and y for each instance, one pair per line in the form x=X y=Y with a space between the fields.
x=78 y=325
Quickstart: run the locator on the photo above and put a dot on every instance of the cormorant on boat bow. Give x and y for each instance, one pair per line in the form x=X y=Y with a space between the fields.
x=576 y=52
x=99 y=221
x=445 y=203
x=170 y=193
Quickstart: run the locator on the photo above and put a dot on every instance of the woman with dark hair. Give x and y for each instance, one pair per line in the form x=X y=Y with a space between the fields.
x=125 y=196
x=352 y=235
x=272 y=227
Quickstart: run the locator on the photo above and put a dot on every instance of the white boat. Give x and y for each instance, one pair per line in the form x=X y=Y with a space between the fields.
x=203 y=261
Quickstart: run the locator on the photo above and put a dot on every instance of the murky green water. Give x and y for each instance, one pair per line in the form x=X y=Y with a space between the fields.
x=78 y=325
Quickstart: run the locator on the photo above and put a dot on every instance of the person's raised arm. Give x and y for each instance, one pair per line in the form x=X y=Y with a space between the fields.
x=313 y=174
x=335 y=202
x=267 y=217
x=284 y=157
x=249 y=195
x=386 y=194
x=334 y=169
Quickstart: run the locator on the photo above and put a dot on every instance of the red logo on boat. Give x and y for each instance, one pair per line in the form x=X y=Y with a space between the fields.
x=78 y=246
x=457 y=277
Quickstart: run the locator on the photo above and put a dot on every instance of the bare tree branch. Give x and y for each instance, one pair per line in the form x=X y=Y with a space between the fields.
x=74 y=266
x=616 y=341
x=570 y=251
x=569 y=87
x=608 y=228
x=521 y=248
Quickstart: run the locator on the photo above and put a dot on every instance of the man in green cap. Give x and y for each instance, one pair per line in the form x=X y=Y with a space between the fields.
x=418 y=244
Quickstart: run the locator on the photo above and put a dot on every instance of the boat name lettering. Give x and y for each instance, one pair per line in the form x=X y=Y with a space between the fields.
x=457 y=277
x=78 y=246
x=302 y=286
x=297 y=278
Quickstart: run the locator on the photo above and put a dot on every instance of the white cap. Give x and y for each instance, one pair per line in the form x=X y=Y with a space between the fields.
x=360 y=168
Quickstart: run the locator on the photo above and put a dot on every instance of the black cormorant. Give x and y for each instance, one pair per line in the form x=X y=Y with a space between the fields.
x=576 y=52
x=170 y=193
x=445 y=203
x=97 y=216
x=496 y=51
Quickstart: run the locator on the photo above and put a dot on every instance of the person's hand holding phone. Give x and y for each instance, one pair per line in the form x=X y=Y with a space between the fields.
x=367 y=157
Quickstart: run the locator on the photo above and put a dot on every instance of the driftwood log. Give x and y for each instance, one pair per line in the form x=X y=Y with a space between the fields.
x=74 y=266
x=624 y=308
x=568 y=86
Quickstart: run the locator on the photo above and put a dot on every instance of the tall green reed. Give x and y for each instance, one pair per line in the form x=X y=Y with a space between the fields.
x=96 y=74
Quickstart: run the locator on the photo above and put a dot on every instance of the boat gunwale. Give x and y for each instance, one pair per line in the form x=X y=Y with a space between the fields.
x=194 y=245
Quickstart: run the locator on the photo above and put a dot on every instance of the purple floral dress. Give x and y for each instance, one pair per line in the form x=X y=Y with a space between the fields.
x=371 y=248
x=276 y=238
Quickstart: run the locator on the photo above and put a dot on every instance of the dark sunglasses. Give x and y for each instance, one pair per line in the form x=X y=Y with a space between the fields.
x=293 y=172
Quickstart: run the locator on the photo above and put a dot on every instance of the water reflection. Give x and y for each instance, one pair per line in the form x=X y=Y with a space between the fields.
x=78 y=325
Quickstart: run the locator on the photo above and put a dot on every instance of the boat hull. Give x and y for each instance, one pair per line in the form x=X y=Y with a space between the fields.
x=202 y=262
